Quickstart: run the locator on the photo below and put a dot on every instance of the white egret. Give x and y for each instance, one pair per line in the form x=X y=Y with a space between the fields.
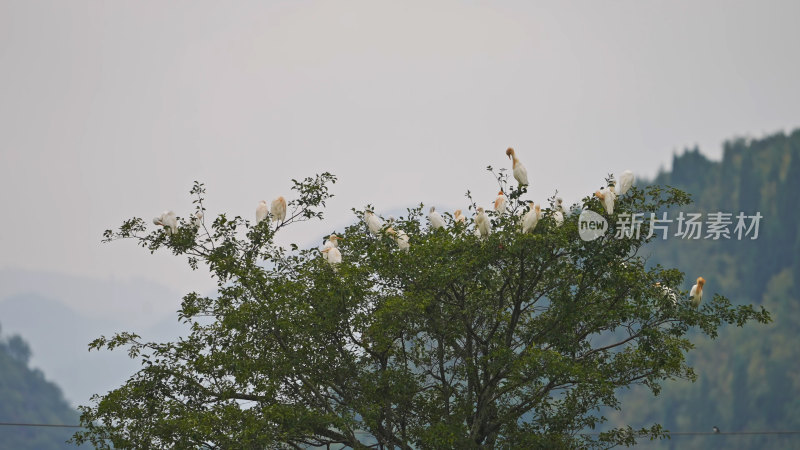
x=668 y=293
x=458 y=217
x=519 y=171
x=402 y=240
x=332 y=241
x=482 y=223
x=278 y=209
x=696 y=294
x=400 y=237
x=625 y=182
x=531 y=218
x=500 y=203
x=333 y=256
x=607 y=196
x=197 y=219
x=171 y=221
x=435 y=219
x=558 y=215
x=168 y=220
x=261 y=211
x=373 y=222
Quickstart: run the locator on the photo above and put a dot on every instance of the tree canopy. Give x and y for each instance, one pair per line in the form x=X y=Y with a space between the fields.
x=510 y=340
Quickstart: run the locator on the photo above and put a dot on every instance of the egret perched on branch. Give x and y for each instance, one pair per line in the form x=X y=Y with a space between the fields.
x=167 y=220
x=373 y=223
x=482 y=223
x=668 y=293
x=500 y=203
x=197 y=219
x=402 y=240
x=696 y=294
x=520 y=173
x=558 y=215
x=261 y=211
x=278 y=209
x=333 y=256
x=332 y=241
x=531 y=218
x=625 y=182
x=458 y=217
x=607 y=196
x=399 y=236
x=435 y=219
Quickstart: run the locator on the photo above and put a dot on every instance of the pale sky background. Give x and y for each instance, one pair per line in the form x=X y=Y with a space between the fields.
x=111 y=109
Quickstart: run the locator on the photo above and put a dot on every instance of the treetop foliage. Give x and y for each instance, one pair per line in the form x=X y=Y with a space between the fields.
x=509 y=340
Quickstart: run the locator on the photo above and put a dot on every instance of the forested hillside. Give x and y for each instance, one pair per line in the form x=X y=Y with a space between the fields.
x=26 y=397
x=747 y=379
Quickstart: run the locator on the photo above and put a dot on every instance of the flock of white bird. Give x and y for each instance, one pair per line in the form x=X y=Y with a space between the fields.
x=483 y=227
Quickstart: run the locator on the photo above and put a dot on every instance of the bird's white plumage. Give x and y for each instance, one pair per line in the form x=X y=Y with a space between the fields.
x=625 y=182
x=558 y=218
x=197 y=219
x=458 y=217
x=558 y=214
x=500 y=203
x=402 y=240
x=278 y=209
x=696 y=294
x=520 y=174
x=331 y=242
x=261 y=211
x=531 y=218
x=517 y=168
x=333 y=256
x=668 y=293
x=482 y=224
x=435 y=219
x=607 y=196
x=374 y=224
x=168 y=220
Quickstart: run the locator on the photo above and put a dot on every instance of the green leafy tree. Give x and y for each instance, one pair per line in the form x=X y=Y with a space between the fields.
x=512 y=340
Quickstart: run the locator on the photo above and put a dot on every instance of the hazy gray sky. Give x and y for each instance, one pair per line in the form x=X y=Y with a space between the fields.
x=111 y=109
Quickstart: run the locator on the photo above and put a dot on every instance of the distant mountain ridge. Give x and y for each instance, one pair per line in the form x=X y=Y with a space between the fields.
x=137 y=302
x=27 y=397
x=754 y=175
x=38 y=306
x=747 y=378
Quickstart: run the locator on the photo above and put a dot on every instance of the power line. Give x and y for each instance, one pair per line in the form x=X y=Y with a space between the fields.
x=703 y=433
x=718 y=433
